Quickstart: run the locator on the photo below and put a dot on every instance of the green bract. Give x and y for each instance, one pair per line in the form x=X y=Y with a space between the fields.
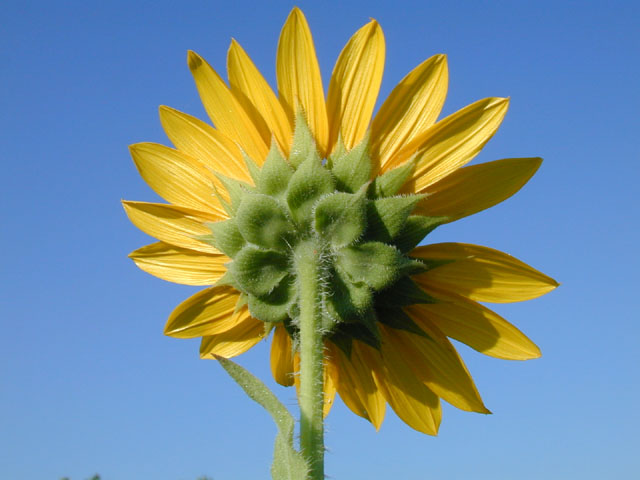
x=361 y=230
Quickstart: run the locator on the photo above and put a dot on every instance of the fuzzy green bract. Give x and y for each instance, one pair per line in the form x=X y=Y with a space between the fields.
x=362 y=231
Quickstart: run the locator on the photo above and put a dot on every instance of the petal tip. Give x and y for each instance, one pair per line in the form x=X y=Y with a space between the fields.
x=193 y=60
x=537 y=353
x=234 y=46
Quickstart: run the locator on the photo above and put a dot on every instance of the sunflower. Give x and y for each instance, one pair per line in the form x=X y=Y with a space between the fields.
x=285 y=177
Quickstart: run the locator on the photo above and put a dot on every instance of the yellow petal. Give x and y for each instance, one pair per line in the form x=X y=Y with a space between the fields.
x=180 y=265
x=411 y=108
x=200 y=140
x=208 y=312
x=472 y=189
x=344 y=383
x=329 y=389
x=475 y=325
x=481 y=273
x=254 y=93
x=176 y=226
x=282 y=357
x=299 y=79
x=453 y=141
x=225 y=111
x=236 y=340
x=435 y=362
x=354 y=85
x=356 y=386
x=412 y=401
x=175 y=176
x=329 y=374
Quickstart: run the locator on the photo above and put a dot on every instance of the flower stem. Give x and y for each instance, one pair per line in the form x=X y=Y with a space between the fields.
x=307 y=264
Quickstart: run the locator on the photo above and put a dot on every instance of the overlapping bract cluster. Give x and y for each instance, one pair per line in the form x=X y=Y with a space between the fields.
x=361 y=230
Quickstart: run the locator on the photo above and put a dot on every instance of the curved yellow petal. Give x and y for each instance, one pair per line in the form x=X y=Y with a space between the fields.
x=354 y=85
x=200 y=140
x=176 y=226
x=299 y=79
x=411 y=108
x=225 y=111
x=208 y=312
x=180 y=265
x=475 y=325
x=345 y=385
x=329 y=374
x=175 y=176
x=329 y=388
x=434 y=361
x=472 y=189
x=232 y=342
x=481 y=273
x=412 y=401
x=356 y=386
x=256 y=96
x=453 y=141
x=281 y=357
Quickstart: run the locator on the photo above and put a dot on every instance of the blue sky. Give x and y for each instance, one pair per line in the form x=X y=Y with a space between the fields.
x=89 y=383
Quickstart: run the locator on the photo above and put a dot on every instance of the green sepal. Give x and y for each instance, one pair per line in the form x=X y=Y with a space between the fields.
x=396 y=318
x=347 y=300
x=268 y=326
x=303 y=146
x=402 y=293
x=252 y=167
x=415 y=229
x=275 y=173
x=365 y=328
x=328 y=324
x=226 y=237
x=227 y=279
x=243 y=299
x=430 y=264
x=343 y=342
x=374 y=263
x=288 y=463
x=360 y=331
x=226 y=205
x=274 y=307
x=390 y=183
x=292 y=329
x=386 y=217
x=412 y=266
x=354 y=298
x=340 y=217
x=352 y=169
x=294 y=311
x=258 y=271
x=338 y=151
x=236 y=190
x=261 y=220
x=309 y=182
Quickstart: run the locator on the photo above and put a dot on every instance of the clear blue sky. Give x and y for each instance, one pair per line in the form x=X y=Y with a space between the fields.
x=88 y=383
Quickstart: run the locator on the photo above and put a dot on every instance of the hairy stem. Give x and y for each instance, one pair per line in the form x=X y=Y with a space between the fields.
x=307 y=264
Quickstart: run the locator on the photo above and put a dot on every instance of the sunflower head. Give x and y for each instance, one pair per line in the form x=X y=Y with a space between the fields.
x=280 y=179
